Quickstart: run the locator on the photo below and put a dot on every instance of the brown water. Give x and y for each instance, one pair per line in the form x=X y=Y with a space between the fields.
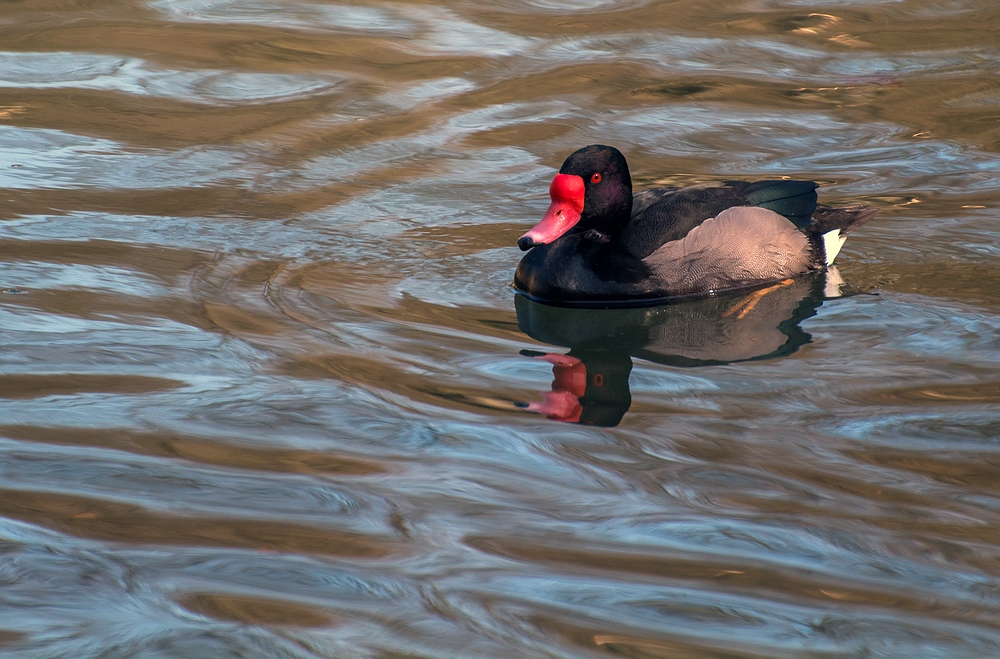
x=261 y=359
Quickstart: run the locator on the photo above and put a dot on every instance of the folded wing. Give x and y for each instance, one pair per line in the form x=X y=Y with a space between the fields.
x=737 y=248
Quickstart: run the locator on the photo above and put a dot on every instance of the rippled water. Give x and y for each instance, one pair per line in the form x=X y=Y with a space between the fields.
x=265 y=390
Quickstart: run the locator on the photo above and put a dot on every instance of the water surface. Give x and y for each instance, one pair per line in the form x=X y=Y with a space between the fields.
x=265 y=390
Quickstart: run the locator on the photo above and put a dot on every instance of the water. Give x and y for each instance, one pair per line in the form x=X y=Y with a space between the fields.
x=265 y=390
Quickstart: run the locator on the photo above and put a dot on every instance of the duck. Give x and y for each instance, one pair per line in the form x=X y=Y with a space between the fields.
x=600 y=245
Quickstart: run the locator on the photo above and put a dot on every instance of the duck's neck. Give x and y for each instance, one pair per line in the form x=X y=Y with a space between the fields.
x=610 y=225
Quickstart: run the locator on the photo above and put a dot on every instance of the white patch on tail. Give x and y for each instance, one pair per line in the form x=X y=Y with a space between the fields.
x=832 y=242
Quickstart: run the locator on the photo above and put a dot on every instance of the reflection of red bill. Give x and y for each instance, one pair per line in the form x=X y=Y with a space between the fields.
x=567 y=192
x=569 y=384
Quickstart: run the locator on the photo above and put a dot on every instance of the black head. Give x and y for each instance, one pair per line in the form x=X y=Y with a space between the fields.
x=607 y=202
x=592 y=192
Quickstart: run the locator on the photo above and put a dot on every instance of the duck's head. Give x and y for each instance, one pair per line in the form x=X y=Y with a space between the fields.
x=592 y=191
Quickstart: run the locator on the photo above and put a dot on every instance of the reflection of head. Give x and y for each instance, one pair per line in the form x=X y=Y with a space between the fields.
x=587 y=388
x=607 y=397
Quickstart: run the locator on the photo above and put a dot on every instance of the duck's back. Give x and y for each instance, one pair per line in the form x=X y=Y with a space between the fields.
x=663 y=215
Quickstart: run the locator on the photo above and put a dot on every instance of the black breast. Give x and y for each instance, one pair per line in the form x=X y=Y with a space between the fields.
x=574 y=268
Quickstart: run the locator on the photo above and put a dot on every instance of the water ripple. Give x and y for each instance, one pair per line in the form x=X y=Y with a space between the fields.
x=262 y=385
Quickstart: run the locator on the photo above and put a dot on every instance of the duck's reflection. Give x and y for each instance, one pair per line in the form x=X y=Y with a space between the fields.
x=590 y=382
x=589 y=387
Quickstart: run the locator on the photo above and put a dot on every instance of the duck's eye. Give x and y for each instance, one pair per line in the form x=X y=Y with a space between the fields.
x=596 y=178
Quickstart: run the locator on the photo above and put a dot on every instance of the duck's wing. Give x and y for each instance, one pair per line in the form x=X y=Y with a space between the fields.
x=663 y=215
x=741 y=246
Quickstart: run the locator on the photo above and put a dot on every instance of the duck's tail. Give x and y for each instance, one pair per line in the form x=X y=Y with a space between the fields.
x=829 y=227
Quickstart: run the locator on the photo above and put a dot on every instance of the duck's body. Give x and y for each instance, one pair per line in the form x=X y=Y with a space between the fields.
x=599 y=244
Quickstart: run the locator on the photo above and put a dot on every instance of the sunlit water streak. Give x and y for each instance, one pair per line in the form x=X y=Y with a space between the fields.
x=261 y=366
